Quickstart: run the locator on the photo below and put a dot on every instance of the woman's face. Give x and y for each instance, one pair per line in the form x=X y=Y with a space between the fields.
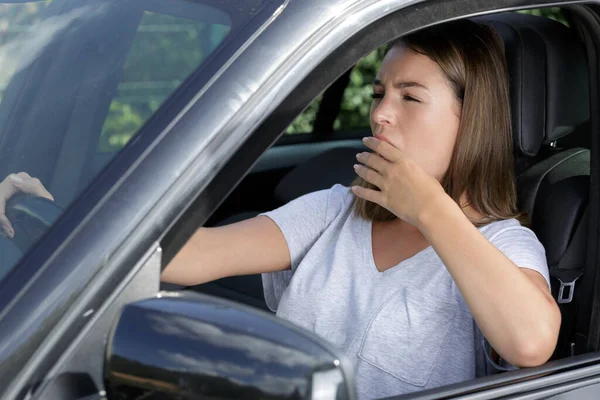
x=415 y=110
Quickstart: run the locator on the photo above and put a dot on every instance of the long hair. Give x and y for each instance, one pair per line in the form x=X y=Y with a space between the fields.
x=471 y=56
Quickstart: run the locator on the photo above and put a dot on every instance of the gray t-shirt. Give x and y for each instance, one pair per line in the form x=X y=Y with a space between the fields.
x=405 y=329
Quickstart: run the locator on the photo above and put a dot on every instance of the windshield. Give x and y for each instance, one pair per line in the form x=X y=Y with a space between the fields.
x=79 y=79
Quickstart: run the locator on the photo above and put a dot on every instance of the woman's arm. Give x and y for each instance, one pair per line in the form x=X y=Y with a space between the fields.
x=253 y=246
x=513 y=306
x=248 y=247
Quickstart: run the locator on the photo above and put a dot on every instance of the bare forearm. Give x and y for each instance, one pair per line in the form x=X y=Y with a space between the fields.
x=193 y=264
x=248 y=247
x=518 y=318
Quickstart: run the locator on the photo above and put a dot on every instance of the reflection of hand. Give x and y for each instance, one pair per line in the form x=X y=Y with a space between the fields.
x=13 y=184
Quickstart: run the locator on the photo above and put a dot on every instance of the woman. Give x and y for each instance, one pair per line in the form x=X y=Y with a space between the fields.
x=420 y=272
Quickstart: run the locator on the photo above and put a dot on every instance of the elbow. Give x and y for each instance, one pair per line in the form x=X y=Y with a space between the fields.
x=537 y=348
x=533 y=354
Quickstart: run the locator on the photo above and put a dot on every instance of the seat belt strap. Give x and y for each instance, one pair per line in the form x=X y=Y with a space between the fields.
x=570 y=267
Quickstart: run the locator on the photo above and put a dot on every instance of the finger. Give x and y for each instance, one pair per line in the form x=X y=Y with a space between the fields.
x=369 y=175
x=373 y=161
x=31 y=186
x=384 y=149
x=368 y=194
x=6 y=226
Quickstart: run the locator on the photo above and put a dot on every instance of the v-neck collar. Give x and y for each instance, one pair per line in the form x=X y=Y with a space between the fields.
x=368 y=237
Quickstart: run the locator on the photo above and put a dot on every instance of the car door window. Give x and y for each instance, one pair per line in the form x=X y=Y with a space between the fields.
x=178 y=46
x=79 y=79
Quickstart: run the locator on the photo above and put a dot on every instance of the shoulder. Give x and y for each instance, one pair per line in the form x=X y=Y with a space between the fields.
x=519 y=244
x=339 y=202
x=315 y=208
x=507 y=229
x=332 y=199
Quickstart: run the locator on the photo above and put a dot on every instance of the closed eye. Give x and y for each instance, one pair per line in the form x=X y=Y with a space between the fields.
x=410 y=98
x=377 y=95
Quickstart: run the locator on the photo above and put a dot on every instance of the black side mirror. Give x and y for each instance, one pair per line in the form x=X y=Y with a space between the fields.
x=191 y=346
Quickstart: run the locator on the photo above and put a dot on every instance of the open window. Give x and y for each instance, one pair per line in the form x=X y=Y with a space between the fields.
x=257 y=192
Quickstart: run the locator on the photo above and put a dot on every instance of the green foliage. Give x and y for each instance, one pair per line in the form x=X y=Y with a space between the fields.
x=356 y=103
x=305 y=121
x=122 y=123
x=554 y=13
x=164 y=52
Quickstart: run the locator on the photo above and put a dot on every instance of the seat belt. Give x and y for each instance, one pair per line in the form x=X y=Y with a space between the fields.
x=570 y=268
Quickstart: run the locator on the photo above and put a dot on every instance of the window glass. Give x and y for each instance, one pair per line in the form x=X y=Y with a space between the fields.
x=164 y=52
x=79 y=78
x=16 y=20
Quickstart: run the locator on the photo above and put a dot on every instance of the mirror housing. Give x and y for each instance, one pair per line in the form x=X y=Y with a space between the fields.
x=187 y=345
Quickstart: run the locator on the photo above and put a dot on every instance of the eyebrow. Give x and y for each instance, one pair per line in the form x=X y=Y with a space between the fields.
x=401 y=85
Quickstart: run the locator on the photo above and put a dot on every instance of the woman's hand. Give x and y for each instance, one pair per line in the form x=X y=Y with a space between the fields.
x=405 y=188
x=13 y=184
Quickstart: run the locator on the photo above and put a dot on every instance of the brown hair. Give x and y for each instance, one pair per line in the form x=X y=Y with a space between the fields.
x=471 y=56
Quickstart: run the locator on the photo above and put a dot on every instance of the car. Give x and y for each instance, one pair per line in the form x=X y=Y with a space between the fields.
x=146 y=119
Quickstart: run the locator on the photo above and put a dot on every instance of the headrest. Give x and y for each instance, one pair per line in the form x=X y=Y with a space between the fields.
x=549 y=84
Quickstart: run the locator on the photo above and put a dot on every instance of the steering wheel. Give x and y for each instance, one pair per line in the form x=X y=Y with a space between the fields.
x=30 y=216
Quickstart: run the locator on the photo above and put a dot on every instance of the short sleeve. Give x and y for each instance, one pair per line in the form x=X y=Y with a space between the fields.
x=486 y=365
x=302 y=221
x=523 y=248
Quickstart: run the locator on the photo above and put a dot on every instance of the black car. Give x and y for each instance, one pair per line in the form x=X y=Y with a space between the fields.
x=149 y=118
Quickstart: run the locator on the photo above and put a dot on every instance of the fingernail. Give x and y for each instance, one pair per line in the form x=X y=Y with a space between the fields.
x=16 y=179
x=358 y=155
x=356 y=166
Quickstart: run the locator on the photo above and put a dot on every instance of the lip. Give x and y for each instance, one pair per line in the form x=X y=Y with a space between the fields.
x=382 y=138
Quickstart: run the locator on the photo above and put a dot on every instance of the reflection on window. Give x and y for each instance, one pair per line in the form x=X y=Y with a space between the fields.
x=164 y=52
x=16 y=21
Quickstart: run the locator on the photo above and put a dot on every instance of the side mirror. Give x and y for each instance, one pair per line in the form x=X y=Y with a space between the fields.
x=191 y=346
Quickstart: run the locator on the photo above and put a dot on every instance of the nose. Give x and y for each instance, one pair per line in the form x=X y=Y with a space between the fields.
x=382 y=113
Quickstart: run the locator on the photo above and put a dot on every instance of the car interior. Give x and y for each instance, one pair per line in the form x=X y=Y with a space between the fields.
x=549 y=92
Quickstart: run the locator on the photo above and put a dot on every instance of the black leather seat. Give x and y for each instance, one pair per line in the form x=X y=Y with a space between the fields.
x=550 y=101
x=550 y=105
